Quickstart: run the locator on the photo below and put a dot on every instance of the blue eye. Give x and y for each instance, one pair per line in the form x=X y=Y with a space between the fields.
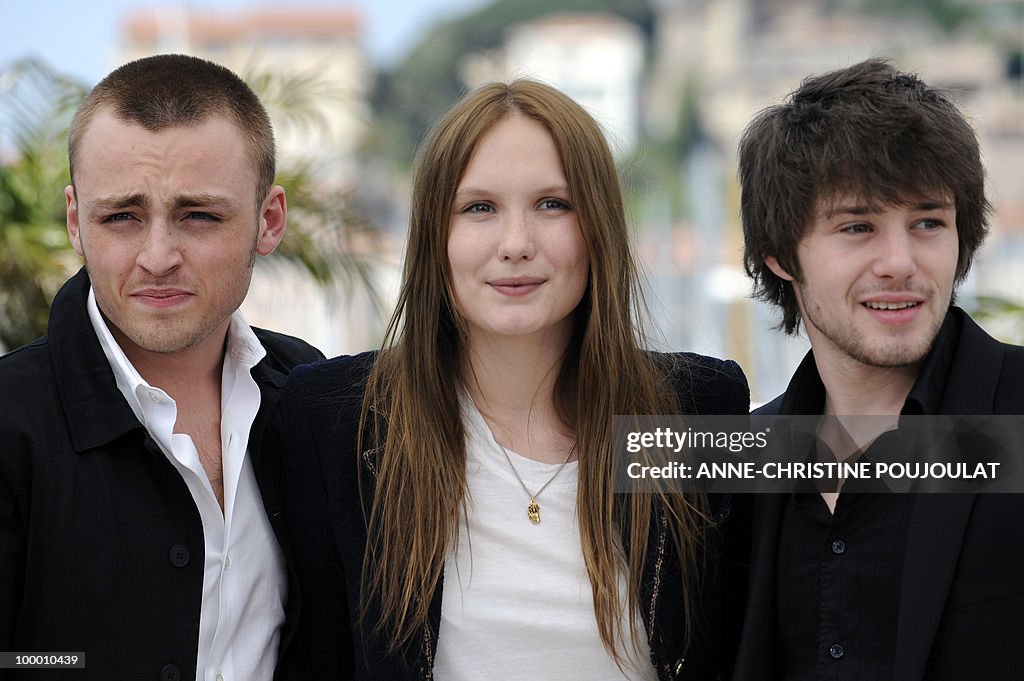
x=478 y=208
x=554 y=204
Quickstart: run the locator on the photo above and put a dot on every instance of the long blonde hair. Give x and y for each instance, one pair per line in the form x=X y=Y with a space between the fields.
x=411 y=405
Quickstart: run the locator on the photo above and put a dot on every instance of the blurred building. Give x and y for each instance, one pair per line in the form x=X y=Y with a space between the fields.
x=323 y=47
x=310 y=68
x=595 y=58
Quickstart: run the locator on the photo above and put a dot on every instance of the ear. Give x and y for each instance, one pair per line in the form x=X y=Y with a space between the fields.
x=74 y=228
x=777 y=269
x=273 y=216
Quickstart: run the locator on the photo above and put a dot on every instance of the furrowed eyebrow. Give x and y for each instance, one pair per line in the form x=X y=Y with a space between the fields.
x=202 y=200
x=116 y=203
x=113 y=203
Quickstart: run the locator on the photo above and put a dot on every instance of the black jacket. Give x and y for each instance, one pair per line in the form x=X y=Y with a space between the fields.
x=91 y=509
x=326 y=521
x=961 y=609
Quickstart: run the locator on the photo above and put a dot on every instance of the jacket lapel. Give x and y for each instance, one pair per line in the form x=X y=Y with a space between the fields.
x=270 y=382
x=96 y=411
x=938 y=521
x=936 y=531
x=974 y=376
x=266 y=465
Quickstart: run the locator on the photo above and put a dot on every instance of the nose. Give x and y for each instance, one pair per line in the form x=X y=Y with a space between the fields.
x=896 y=258
x=160 y=253
x=516 y=238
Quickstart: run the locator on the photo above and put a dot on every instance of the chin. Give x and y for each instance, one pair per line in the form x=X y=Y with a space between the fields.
x=893 y=357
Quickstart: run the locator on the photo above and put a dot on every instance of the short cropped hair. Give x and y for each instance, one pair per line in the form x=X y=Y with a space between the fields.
x=173 y=90
x=868 y=131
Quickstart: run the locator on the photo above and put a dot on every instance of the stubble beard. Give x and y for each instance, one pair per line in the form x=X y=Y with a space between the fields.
x=896 y=352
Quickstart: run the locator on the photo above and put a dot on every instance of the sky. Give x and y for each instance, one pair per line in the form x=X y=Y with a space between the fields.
x=81 y=38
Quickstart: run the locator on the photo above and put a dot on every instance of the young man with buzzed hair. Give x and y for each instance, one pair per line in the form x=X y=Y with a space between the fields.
x=863 y=205
x=137 y=510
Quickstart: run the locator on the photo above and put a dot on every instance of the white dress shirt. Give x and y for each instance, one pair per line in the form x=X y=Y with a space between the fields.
x=244 y=584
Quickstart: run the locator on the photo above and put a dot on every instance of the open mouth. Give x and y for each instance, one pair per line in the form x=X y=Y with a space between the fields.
x=877 y=305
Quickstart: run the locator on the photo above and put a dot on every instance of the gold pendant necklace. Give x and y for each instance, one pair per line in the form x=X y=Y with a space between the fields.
x=533 y=509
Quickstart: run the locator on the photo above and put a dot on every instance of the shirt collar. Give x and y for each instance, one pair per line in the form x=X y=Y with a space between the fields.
x=805 y=394
x=925 y=397
x=243 y=350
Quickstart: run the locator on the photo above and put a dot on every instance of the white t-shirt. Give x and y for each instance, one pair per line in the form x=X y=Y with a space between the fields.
x=517 y=602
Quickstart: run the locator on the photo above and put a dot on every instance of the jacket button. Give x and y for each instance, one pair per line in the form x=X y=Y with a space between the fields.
x=179 y=558
x=170 y=673
x=838 y=547
x=836 y=651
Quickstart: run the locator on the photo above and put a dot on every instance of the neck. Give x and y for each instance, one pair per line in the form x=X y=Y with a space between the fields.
x=512 y=383
x=853 y=388
x=185 y=372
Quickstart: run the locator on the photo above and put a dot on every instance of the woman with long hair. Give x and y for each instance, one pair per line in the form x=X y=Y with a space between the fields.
x=451 y=498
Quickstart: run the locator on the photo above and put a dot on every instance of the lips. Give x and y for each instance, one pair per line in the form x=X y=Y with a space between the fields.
x=516 y=286
x=162 y=297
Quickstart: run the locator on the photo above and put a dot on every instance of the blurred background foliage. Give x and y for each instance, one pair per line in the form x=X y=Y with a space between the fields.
x=35 y=256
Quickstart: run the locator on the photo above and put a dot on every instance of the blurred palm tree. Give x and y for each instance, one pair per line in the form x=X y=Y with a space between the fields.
x=328 y=238
x=1001 y=316
x=35 y=256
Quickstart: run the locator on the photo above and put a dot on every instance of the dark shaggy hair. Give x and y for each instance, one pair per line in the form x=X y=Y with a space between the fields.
x=868 y=131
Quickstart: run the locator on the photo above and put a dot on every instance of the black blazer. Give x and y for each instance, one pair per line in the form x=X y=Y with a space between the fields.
x=91 y=510
x=961 y=612
x=319 y=414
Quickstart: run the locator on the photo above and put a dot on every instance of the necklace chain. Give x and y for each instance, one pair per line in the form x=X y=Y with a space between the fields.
x=533 y=509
